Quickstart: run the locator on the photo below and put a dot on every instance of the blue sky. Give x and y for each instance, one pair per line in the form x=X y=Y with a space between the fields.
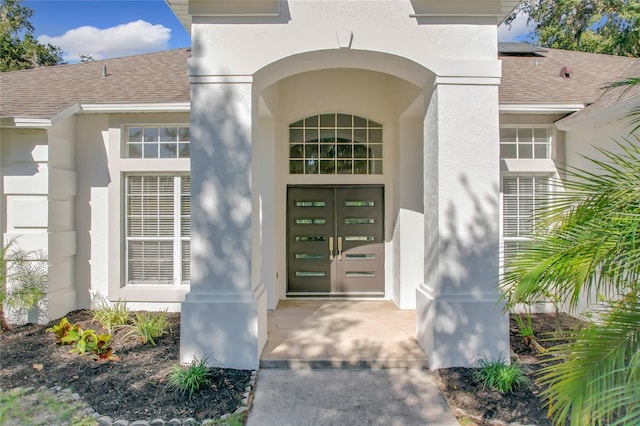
x=107 y=28
x=113 y=28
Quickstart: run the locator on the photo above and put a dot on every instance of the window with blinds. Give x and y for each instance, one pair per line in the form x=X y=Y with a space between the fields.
x=522 y=198
x=157 y=229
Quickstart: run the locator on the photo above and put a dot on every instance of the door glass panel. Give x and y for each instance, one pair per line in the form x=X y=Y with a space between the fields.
x=358 y=203
x=359 y=238
x=311 y=256
x=359 y=220
x=360 y=274
x=310 y=221
x=359 y=256
x=310 y=204
x=310 y=238
x=310 y=274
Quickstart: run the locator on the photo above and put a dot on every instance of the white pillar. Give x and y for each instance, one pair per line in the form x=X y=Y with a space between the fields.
x=458 y=314
x=224 y=314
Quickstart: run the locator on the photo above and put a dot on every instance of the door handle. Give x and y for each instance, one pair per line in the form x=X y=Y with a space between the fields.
x=330 y=248
x=339 y=248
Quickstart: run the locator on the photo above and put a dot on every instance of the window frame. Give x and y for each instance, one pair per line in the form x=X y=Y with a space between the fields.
x=367 y=127
x=118 y=166
x=176 y=238
x=125 y=140
x=533 y=127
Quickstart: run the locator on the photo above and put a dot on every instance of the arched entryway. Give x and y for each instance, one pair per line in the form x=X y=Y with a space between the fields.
x=386 y=112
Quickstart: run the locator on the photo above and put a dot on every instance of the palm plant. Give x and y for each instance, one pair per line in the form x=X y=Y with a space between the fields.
x=23 y=279
x=588 y=244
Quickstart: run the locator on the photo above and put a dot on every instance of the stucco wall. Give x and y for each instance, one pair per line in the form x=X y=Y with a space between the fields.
x=38 y=192
x=98 y=208
x=25 y=174
x=304 y=26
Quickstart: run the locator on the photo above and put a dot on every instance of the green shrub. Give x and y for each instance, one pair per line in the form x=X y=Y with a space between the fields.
x=148 y=326
x=63 y=330
x=84 y=341
x=189 y=379
x=495 y=374
x=111 y=316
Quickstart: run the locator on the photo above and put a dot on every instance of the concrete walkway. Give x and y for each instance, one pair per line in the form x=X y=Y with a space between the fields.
x=345 y=363
x=402 y=397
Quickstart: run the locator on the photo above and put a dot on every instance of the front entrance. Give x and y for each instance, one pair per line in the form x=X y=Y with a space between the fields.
x=335 y=241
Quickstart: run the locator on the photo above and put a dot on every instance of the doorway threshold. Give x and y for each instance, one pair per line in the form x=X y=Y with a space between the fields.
x=359 y=334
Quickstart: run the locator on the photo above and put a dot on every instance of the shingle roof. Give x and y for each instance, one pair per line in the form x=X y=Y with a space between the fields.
x=536 y=79
x=43 y=92
x=162 y=78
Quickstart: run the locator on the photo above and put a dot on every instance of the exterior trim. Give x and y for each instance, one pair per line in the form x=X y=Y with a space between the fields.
x=137 y=107
x=600 y=116
x=540 y=108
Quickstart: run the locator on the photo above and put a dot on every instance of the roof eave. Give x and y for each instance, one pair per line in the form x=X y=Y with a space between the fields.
x=93 y=108
x=600 y=116
x=531 y=108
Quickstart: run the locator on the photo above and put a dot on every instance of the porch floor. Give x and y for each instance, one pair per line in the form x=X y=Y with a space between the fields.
x=341 y=334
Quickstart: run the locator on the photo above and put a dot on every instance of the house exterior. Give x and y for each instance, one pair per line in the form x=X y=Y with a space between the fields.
x=307 y=149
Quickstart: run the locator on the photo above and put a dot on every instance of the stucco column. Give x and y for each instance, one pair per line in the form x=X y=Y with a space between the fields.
x=224 y=314
x=458 y=314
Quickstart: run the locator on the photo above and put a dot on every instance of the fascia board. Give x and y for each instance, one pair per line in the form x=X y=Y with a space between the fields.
x=27 y=122
x=601 y=116
x=138 y=107
x=540 y=108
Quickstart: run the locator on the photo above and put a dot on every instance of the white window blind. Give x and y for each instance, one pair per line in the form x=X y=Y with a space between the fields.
x=157 y=229
x=522 y=198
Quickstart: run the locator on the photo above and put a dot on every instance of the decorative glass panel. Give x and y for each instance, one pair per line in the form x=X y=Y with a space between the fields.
x=360 y=274
x=310 y=273
x=310 y=238
x=311 y=256
x=331 y=143
x=311 y=204
x=359 y=256
x=309 y=221
x=359 y=220
x=359 y=238
x=350 y=203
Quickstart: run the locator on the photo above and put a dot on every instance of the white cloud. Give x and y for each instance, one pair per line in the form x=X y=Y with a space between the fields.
x=122 y=40
x=520 y=29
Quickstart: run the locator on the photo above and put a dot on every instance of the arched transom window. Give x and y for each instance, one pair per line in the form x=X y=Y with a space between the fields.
x=335 y=144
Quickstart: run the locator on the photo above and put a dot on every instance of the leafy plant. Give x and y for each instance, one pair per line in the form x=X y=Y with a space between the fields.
x=189 y=379
x=590 y=246
x=111 y=316
x=494 y=373
x=148 y=326
x=23 y=278
x=525 y=330
x=63 y=329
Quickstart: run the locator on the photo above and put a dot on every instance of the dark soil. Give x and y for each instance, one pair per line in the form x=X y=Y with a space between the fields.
x=474 y=405
x=133 y=388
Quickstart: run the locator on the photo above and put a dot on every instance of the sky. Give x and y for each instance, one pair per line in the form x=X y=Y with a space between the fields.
x=113 y=28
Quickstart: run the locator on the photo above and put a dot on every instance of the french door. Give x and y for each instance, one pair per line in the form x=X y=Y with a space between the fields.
x=335 y=241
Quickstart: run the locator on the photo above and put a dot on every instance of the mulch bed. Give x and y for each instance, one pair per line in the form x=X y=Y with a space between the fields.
x=474 y=405
x=133 y=388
